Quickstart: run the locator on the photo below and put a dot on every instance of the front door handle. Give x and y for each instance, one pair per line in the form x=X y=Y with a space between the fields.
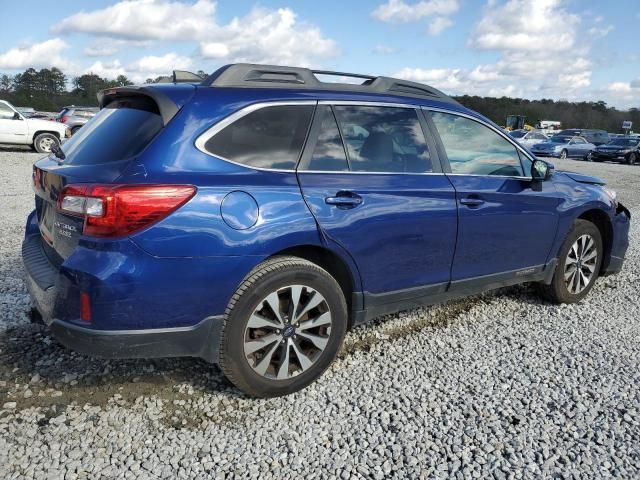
x=471 y=201
x=344 y=200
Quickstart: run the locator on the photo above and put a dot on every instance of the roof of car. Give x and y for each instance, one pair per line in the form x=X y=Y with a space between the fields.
x=247 y=75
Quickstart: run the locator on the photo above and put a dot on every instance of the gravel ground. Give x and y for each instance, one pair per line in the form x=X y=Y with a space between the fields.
x=501 y=385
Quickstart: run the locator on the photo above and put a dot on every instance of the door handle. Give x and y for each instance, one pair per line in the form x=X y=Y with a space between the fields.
x=344 y=200
x=471 y=201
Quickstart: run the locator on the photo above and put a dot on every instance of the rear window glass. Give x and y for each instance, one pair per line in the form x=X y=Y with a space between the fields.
x=117 y=132
x=271 y=137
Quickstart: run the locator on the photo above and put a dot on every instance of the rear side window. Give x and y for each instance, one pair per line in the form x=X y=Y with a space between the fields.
x=328 y=154
x=474 y=149
x=119 y=131
x=383 y=139
x=271 y=137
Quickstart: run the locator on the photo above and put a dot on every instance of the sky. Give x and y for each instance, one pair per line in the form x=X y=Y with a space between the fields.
x=578 y=50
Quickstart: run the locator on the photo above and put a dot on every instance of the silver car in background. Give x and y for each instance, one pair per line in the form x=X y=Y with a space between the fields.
x=75 y=117
x=563 y=147
x=528 y=138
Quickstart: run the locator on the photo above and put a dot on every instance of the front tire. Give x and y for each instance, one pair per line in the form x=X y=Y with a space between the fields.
x=578 y=265
x=283 y=327
x=564 y=154
x=632 y=158
x=44 y=142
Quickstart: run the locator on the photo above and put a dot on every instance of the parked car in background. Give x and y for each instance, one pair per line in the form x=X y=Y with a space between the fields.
x=259 y=233
x=563 y=147
x=625 y=149
x=75 y=117
x=528 y=138
x=597 y=137
x=41 y=135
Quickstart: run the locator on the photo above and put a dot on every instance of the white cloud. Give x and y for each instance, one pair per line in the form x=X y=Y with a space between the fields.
x=144 y=19
x=268 y=36
x=108 y=70
x=37 y=55
x=154 y=66
x=263 y=35
x=105 y=47
x=400 y=11
x=531 y=25
x=600 y=31
x=438 y=25
x=384 y=50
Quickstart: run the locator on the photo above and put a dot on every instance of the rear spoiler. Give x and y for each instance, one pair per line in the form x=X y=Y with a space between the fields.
x=166 y=106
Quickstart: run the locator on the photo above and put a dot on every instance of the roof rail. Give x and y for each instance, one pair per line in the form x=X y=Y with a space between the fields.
x=247 y=75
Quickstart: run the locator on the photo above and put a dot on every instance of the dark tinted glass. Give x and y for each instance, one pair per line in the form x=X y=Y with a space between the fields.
x=383 y=139
x=270 y=137
x=328 y=154
x=119 y=131
x=474 y=149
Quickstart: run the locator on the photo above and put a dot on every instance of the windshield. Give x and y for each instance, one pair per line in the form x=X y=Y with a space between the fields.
x=517 y=134
x=625 y=142
x=118 y=132
x=559 y=139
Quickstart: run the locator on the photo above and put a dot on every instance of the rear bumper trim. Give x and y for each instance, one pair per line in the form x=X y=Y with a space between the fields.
x=201 y=340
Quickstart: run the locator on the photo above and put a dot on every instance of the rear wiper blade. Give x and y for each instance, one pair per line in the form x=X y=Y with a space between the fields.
x=57 y=151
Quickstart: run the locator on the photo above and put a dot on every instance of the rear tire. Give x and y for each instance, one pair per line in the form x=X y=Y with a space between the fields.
x=267 y=353
x=578 y=266
x=44 y=141
x=632 y=158
x=74 y=130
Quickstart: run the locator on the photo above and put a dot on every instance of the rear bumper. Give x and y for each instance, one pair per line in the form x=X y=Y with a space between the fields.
x=201 y=340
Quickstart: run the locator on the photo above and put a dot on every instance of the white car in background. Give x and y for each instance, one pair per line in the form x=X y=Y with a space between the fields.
x=41 y=135
x=528 y=138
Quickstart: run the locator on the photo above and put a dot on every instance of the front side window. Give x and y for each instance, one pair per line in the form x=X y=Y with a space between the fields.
x=474 y=149
x=5 y=112
x=383 y=139
x=270 y=137
x=328 y=154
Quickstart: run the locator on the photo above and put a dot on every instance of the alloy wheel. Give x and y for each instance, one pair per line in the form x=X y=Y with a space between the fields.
x=580 y=265
x=46 y=144
x=287 y=332
x=632 y=158
x=563 y=154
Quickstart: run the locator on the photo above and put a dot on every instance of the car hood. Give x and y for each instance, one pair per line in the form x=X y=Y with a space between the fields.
x=36 y=123
x=579 y=177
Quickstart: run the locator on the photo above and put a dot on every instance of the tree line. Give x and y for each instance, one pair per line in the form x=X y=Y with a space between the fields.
x=50 y=90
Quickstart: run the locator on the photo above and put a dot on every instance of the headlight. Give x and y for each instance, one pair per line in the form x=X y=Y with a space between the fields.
x=611 y=194
x=558 y=147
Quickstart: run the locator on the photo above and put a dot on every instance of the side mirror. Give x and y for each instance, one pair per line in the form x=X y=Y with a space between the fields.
x=16 y=116
x=541 y=171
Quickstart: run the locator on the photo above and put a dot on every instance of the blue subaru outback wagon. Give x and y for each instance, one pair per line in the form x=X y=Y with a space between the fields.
x=251 y=218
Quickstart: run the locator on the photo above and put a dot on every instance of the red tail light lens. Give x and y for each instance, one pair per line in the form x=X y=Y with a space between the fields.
x=63 y=119
x=85 y=307
x=119 y=210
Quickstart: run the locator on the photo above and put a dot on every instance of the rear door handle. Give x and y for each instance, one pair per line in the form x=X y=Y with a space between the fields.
x=344 y=200
x=471 y=201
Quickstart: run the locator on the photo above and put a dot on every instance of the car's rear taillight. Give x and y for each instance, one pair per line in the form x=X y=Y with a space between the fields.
x=62 y=119
x=119 y=210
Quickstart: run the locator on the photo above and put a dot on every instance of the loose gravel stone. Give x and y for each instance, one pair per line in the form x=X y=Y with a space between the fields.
x=501 y=385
